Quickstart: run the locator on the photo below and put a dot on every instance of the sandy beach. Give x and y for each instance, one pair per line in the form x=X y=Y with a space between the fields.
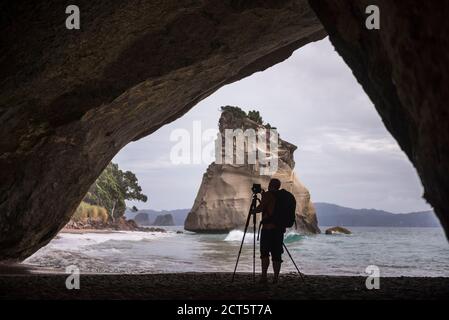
x=213 y=286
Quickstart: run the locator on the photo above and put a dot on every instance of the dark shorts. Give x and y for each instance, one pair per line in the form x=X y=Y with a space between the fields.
x=271 y=241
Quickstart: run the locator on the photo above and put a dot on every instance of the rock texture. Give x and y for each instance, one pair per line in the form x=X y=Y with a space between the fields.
x=142 y=219
x=224 y=197
x=120 y=224
x=337 y=230
x=71 y=99
x=164 y=220
x=404 y=68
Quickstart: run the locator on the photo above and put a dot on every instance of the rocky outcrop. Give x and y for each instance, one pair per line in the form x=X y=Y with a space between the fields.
x=120 y=224
x=142 y=219
x=337 y=230
x=164 y=220
x=224 y=197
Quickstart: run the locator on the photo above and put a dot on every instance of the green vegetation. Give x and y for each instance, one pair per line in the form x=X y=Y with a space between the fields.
x=112 y=188
x=268 y=126
x=236 y=111
x=87 y=211
x=253 y=115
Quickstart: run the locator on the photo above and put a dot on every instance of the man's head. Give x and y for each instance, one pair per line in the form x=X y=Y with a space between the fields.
x=274 y=185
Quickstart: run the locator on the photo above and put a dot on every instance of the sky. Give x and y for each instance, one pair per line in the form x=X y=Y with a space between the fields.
x=345 y=155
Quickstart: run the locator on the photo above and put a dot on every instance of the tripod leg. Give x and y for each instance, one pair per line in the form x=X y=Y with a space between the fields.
x=241 y=244
x=288 y=252
x=254 y=248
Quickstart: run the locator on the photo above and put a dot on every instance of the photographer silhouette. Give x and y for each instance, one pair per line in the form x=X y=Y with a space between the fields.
x=278 y=209
x=272 y=235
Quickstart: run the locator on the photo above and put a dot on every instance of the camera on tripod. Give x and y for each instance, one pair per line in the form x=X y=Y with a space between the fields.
x=257 y=188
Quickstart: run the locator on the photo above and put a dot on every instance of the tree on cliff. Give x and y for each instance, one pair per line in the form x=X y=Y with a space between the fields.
x=255 y=116
x=236 y=111
x=112 y=188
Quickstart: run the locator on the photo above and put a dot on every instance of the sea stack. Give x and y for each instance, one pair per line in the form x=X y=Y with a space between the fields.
x=164 y=220
x=224 y=196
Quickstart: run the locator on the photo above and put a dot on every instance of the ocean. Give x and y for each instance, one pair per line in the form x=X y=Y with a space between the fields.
x=395 y=251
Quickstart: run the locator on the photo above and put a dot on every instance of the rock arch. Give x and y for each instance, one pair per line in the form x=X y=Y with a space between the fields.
x=71 y=99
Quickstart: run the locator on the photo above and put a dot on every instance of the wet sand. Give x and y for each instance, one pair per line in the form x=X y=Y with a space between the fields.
x=212 y=286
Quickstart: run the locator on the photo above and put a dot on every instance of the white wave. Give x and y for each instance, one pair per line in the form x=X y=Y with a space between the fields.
x=292 y=236
x=74 y=241
x=292 y=233
x=237 y=235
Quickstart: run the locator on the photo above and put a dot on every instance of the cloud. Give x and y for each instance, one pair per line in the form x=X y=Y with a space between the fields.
x=345 y=155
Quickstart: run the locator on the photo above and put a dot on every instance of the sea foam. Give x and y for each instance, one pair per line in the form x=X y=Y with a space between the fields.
x=237 y=235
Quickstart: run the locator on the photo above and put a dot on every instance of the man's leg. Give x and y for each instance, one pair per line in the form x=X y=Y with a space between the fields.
x=265 y=264
x=276 y=255
x=264 y=254
x=276 y=269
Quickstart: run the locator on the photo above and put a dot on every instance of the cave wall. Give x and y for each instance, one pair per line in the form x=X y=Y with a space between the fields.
x=71 y=99
x=404 y=69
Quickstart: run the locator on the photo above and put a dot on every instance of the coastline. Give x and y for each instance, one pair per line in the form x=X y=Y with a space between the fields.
x=83 y=231
x=110 y=230
x=217 y=286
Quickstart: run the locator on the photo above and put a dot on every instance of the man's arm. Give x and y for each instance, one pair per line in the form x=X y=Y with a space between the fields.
x=261 y=206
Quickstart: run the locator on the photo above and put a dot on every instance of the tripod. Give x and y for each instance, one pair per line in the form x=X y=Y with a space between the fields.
x=297 y=269
x=251 y=209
